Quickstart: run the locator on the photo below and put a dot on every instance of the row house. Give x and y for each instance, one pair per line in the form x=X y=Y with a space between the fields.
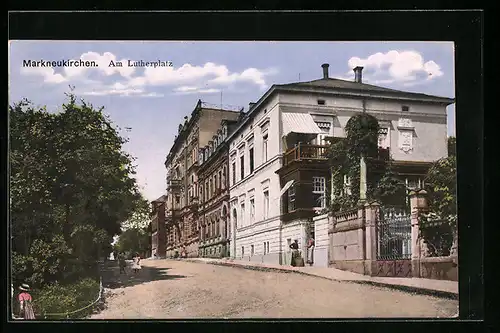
x=197 y=131
x=213 y=209
x=278 y=170
x=158 y=234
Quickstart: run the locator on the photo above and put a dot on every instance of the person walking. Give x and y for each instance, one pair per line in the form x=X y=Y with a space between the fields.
x=310 y=250
x=136 y=266
x=25 y=303
x=122 y=263
x=295 y=251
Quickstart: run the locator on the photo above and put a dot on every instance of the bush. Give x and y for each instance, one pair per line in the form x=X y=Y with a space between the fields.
x=59 y=299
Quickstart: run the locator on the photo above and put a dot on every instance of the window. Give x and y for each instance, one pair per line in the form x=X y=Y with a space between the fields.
x=252 y=210
x=383 y=137
x=207 y=191
x=321 y=102
x=234 y=173
x=319 y=187
x=325 y=127
x=250 y=152
x=177 y=199
x=265 y=248
x=210 y=188
x=220 y=180
x=266 y=204
x=405 y=108
x=242 y=214
x=347 y=185
x=215 y=184
x=242 y=251
x=264 y=148
x=251 y=250
x=291 y=198
x=242 y=167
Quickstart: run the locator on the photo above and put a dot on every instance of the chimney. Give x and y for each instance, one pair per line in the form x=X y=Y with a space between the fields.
x=325 y=70
x=358 y=76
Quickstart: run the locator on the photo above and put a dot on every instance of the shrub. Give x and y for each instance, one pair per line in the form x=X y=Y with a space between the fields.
x=58 y=299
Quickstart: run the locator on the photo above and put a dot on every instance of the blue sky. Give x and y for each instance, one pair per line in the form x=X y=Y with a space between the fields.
x=153 y=101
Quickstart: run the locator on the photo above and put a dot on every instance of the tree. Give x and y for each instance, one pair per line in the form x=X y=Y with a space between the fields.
x=134 y=240
x=452 y=146
x=362 y=133
x=441 y=186
x=71 y=187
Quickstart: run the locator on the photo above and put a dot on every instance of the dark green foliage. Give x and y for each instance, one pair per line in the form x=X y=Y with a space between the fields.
x=133 y=241
x=452 y=146
x=439 y=227
x=345 y=155
x=57 y=299
x=71 y=187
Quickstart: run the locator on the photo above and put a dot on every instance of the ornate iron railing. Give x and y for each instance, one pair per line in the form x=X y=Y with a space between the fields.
x=393 y=234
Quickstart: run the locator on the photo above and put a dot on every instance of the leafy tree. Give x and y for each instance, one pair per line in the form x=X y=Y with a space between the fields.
x=441 y=186
x=134 y=240
x=452 y=146
x=362 y=133
x=71 y=187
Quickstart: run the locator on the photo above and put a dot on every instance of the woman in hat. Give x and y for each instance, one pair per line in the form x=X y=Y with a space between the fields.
x=25 y=302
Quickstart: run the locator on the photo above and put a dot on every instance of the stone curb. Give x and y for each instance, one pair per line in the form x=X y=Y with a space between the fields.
x=404 y=288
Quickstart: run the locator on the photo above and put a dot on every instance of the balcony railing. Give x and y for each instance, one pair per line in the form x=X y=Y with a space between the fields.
x=304 y=152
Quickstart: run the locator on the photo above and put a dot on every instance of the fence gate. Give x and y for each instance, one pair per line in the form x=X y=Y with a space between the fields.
x=393 y=242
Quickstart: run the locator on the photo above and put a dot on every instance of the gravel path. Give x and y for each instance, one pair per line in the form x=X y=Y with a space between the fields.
x=167 y=289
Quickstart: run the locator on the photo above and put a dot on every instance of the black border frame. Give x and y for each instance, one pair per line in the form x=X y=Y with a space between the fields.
x=465 y=28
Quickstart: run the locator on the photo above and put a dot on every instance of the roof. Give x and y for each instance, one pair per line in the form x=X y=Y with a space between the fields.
x=299 y=123
x=344 y=85
x=163 y=198
x=340 y=87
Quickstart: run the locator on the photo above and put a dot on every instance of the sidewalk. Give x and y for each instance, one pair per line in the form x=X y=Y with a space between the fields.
x=440 y=288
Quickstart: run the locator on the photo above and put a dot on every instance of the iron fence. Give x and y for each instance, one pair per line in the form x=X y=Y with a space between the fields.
x=394 y=234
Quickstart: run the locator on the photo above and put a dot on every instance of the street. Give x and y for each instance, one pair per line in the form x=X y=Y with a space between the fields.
x=170 y=289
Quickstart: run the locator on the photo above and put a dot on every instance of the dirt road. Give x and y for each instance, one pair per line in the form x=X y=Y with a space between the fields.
x=168 y=289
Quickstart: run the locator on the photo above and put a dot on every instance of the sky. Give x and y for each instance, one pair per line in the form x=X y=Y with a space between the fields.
x=149 y=103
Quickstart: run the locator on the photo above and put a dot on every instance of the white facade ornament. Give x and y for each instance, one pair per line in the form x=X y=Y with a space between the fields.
x=405 y=122
x=406 y=140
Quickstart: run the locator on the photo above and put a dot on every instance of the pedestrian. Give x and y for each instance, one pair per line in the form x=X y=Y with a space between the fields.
x=25 y=303
x=136 y=266
x=122 y=263
x=295 y=251
x=310 y=250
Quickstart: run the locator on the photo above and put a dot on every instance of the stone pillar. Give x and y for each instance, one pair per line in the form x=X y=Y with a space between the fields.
x=371 y=217
x=362 y=179
x=418 y=204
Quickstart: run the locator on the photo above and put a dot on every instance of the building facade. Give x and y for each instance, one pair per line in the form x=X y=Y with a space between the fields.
x=182 y=177
x=213 y=209
x=158 y=232
x=278 y=169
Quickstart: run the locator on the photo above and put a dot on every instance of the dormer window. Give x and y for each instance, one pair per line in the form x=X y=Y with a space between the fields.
x=321 y=102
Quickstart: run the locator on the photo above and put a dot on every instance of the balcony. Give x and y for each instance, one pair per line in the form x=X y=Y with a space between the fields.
x=174 y=184
x=305 y=152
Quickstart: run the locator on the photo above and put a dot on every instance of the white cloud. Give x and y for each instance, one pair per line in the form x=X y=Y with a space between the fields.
x=103 y=61
x=188 y=78
x=406 y=67
x=184 y=90
x=47 y=73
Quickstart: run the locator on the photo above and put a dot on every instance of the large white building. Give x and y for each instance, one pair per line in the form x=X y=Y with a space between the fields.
x=263 y=210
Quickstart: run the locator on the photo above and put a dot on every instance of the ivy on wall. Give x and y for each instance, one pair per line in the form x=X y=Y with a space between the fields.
x=361 y=139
